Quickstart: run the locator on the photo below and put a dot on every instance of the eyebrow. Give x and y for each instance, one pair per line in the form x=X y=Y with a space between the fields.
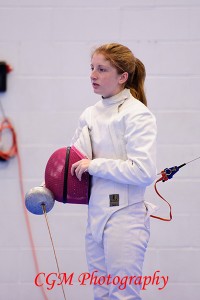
x=104 y=66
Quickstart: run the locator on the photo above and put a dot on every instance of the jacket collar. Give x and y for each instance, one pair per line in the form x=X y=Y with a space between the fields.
x=116 y=99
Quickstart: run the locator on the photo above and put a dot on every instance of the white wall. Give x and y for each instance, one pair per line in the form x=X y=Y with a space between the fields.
x=48 y=43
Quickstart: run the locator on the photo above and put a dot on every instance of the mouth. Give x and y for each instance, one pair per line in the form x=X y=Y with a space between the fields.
x=95 y=85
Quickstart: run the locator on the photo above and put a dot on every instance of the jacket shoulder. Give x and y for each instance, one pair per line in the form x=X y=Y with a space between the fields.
x=133 y=106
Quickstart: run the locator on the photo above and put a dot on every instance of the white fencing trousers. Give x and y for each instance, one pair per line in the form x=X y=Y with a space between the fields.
x=121 y=252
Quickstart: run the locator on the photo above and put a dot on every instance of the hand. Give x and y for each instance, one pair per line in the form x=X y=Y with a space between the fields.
x=80 y=167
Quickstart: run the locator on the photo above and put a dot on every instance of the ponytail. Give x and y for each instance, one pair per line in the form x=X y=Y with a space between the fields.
x=136 y=80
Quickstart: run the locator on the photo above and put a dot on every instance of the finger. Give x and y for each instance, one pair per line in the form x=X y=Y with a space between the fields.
x=74 y=167
x=79 y=172
x=72 y=170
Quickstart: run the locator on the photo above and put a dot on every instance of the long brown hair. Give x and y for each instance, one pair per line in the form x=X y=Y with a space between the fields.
x=122 y=58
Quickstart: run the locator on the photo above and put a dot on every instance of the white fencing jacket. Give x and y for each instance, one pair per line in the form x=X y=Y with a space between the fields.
x=123 y=134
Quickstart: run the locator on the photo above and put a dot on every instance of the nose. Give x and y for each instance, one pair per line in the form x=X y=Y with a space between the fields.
x=93 y=75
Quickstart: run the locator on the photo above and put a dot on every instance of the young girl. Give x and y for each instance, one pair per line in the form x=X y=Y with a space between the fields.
x=123 y=134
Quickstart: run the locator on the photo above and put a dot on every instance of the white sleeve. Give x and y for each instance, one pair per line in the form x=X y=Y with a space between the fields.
x=85 y=116
x=140 y=142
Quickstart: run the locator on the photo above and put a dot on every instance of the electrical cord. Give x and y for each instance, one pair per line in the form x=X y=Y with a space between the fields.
x=167 y=174
x=5 y=156
x=170 y=208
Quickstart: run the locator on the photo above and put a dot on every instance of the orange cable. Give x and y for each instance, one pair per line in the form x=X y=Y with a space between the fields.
x=6 y=155
x=170 y=212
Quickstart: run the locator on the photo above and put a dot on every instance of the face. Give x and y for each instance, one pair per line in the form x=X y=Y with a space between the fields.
x=104 y=77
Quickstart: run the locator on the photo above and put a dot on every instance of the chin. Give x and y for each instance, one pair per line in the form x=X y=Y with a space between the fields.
x=97 y=92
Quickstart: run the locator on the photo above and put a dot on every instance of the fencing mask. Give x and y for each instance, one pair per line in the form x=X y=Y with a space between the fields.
x=58 y=179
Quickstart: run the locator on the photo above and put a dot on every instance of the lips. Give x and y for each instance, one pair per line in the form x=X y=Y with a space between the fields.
x=95 y=85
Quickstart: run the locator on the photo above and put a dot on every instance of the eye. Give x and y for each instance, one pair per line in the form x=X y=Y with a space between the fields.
x=102 y=69
x=91 y=68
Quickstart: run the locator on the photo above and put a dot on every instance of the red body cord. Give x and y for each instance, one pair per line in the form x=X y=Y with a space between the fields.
x=170 y=211
x=6 y=155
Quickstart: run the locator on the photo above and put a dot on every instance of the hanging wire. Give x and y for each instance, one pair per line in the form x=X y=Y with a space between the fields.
x=5 y=124
x=2 y=110
x=6 y=155
x=54 y=251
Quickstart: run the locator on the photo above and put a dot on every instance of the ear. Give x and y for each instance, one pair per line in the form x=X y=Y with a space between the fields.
x=123 y=77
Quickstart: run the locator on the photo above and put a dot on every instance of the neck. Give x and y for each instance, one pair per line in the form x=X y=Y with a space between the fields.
x=110 y=96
